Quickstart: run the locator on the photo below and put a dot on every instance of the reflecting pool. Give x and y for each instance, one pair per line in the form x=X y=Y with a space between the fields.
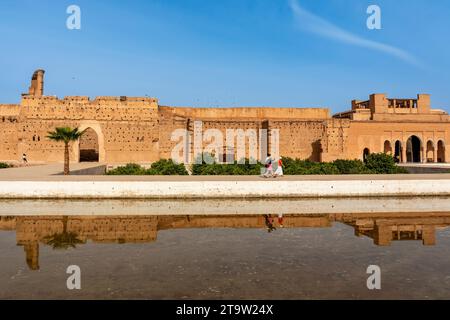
x=266 y=252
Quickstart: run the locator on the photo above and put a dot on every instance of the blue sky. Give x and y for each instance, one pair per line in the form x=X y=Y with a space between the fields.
x=306 y=53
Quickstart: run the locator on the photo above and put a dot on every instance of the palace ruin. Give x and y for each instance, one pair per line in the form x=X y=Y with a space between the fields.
x=137 y=129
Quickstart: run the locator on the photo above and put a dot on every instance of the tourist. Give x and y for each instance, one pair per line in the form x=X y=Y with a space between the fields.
x=279 y=171
x=24 y=158
x=269 y=168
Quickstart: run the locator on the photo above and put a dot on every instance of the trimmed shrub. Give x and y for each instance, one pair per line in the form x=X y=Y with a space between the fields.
x=131 y=169
x=306 y=167
x=167 y=168
x=376 y=164
x=215 y=169
x=351 y=167
x=162 y=167
x=381 y=163
x=4 y=165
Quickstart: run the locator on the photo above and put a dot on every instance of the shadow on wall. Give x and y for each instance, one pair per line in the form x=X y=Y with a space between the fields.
x=316 y=151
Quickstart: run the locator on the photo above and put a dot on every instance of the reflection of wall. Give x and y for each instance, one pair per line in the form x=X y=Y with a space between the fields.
x=97 y=229
x=125 y=229
x=174 y=222
x=381 y=227
x=384 y=229
x=7 y=223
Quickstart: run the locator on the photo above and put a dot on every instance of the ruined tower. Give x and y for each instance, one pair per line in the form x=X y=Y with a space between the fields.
x=37 y=84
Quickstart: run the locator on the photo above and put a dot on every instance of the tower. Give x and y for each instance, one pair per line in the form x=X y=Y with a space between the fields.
x=37 y=84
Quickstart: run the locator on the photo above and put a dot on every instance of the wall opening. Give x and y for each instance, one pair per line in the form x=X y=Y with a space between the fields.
x=89 y=148
x=430 y=151
x=387 y=147
x=441 y=151
x=398 y=152
x=366 y=153
x=413 y=147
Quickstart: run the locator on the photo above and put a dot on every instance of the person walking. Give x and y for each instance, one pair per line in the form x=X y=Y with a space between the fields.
x=269 y=168
x=279 y=171
x=24 y=158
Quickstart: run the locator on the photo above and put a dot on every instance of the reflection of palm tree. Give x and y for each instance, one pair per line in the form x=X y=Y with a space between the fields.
x=63 y=240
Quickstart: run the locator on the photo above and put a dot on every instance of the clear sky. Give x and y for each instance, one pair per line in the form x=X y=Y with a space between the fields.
x=287 y=53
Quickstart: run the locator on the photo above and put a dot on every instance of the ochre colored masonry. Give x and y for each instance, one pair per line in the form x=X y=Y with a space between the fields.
x=138 y=129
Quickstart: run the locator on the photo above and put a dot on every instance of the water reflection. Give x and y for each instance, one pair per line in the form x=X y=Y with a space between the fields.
x=63 y=232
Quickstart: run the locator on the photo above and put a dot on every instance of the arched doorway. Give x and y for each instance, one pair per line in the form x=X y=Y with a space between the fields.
x=366 y=153
x=430 y=151
x=89 y=148
x=387 y=147
x=441 y=151
x=413 y=147
x=398 y=152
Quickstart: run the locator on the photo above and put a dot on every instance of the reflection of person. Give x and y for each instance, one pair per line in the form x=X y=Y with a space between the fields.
x=269 y=223
x=279 y=171
x=280 y=220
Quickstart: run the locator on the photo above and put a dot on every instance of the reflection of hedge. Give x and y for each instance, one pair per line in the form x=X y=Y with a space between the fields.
x=161 y=167
x=4 y=165
x=235 y=169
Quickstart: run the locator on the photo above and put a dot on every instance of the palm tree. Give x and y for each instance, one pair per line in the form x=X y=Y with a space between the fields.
x=65 y=134
x=63 y=240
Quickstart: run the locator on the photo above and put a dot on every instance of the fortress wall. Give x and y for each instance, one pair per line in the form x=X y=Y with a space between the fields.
x=168 y=123
x=260 y=113
x=335 y=140
x=9 y=110
x=300 y=139
x=250 y=127
x=129 y=141
x=128 y=130
x=9 y=119
x=136 y=129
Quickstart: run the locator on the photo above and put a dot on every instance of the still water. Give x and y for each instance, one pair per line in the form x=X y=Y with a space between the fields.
x=305 y=249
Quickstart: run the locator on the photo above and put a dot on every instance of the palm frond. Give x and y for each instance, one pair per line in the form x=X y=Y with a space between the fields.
x=65 y=134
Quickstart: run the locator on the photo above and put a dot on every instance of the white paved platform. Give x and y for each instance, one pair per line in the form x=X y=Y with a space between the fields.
x=44 y=182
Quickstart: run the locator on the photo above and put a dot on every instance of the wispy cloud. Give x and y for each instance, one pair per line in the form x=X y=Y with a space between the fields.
x=315 y=24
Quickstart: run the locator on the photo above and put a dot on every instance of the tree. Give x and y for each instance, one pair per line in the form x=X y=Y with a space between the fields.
x=66 y=135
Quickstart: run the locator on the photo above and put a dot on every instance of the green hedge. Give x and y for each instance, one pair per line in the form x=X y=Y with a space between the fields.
x=376 y=163
x=383 y=164
x=162 y=167
x=167 y=168
x=4 y=165
x=235 y=169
